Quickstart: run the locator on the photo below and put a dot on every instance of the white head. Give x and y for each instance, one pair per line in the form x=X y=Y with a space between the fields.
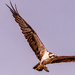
x=52 y=55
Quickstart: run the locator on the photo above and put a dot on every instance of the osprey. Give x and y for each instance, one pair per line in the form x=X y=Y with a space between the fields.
x=44 y=56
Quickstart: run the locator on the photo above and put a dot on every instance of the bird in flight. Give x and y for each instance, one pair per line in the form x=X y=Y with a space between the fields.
x=45 y=57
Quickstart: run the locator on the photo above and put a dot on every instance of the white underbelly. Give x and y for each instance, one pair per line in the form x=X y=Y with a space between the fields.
x=45 y=56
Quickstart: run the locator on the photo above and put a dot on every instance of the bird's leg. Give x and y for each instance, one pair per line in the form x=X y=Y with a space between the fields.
x=45 y=68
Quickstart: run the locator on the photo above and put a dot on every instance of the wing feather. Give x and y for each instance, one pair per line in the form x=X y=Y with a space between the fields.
x=29 y=33
x=60 y=59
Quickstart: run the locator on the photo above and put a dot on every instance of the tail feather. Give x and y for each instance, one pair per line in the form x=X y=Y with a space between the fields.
x=39 y=67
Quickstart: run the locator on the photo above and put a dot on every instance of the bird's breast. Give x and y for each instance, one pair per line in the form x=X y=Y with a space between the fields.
x=45 y=56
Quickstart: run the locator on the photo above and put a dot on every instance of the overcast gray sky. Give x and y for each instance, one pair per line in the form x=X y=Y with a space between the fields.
x=53 y=21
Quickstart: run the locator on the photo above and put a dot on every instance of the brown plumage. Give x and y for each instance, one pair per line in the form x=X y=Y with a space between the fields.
x=61 y=59
x=44 y=56
x=28 y=32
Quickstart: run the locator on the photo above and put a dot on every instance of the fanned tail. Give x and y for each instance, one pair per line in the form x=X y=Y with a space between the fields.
x=41 y=67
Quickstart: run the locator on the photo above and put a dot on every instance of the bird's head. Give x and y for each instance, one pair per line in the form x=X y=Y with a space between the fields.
x=52 y=55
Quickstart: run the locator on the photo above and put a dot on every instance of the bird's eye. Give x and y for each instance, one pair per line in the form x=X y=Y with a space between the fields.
x=50 y=56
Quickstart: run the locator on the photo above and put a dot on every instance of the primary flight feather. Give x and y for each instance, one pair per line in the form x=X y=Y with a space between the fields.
x=44 y=56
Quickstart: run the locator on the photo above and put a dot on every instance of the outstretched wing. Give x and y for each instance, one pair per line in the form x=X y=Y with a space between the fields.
x=29 y=33
x=60 y=59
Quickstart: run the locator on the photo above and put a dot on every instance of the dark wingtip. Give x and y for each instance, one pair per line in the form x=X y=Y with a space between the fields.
x=9 y=8
x=16 y=8
x=12 y=8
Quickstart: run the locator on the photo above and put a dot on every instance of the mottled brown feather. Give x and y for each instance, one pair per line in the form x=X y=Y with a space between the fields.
x=29 y=33
x=61 y=59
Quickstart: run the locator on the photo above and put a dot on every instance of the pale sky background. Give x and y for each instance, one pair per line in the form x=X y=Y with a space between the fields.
x=53 y=21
